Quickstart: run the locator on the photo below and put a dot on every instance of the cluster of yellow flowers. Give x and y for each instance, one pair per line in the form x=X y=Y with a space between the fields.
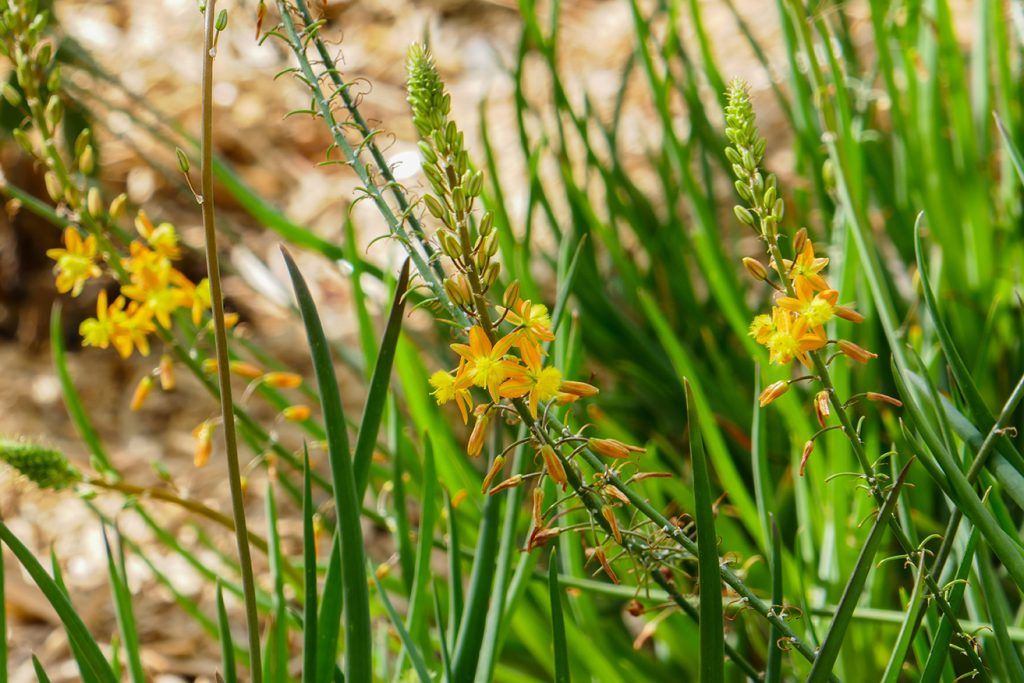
x=492 y=366
x=796 y=325
x=154 y=289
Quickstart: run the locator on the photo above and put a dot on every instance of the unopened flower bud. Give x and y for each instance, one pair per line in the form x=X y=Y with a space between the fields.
x=883 y=398
x=847 y=313
x=855 y=352
x=744 y=215
x=511 y=296
x=183 y=164
x=167 y=381
x=808 y=449
x=476 y=438
x=142 y=390
x=283 y=380
x=799 y=240
x=117 y=206
x=87 y=160
x=222 y=20
x=245 y=369
x=53 y=187
x=821 y=407
x=296 y=413
x=209 y=366
x=613 y=448
x=94 y=202
x=204 y=443
x=496 y=466
x=602 y=558
x=553 y=465
x=609 y=516
x=579 y=389
x=11 y=94
x=772 y=392
x=143 y=225
x=510 y=483
x=755 y=268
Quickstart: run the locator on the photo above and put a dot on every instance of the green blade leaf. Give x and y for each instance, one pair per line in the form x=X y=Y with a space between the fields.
x=558 y=621
x=227 y=646
x=358 y=635
x=379 y=383
x=418 y=663
x=123 y=603
x=712 y=626
x=829 y=651
x=40 y=673
x=92 y=657
x=275 y=660
x=773 y=667
x=309 y=588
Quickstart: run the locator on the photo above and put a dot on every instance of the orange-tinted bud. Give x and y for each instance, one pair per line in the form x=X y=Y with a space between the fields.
x=579 y=389
x=847 y=313
x=883 y=398
x=605 y=565
x=855 y=352
x=496 y=466
x=296 y=413
x=230 y=320
x=167 y=380
x=209 y=366
x=204 y=443
x=808 y=449
x=538 y=507
x=613 y=448
x=821 y=407
x=476 y=438
x=383 y=570
x=510 y=483
x=244 y=369
x=755 y=268
x=609 y=516
x=459 y=496
x=799 y=240
x=142 y=390
x=553 y=465
x=283 y=380
x=772 y=392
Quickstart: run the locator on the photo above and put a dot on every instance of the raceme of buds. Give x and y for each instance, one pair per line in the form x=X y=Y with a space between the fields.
x=46 y=467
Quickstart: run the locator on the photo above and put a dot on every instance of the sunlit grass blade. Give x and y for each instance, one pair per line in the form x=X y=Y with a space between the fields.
x=227 y=646
x=379 y=383
x=41 y=676
x=123 y=603
x=411 y=648
x=829 y=650
x=92 y=657
x=275 y=659
x=358 y=635
x=558 y=620
x=712 y=626
x=71 y=398
x=309 y=585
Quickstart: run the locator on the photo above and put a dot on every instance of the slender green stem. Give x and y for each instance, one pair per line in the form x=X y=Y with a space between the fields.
x=221 y=340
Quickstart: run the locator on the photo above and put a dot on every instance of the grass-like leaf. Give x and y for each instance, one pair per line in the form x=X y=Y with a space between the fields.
x=712 y=626
x=123 y=602
x=829 y=651
x=309 y=585
x=358 y=636
x=92 y=658
x=275 y=659
x=227 y=646
x=418 y=663
x=558 y=621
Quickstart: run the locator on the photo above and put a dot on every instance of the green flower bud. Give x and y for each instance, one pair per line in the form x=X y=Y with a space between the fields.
x=46 y=467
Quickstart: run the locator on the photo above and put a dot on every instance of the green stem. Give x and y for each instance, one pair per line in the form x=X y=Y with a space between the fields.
x=221 y=340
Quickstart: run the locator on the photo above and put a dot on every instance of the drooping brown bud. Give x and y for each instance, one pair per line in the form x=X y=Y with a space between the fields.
x=613 y=522
x=883 y=398
x=553 y=465
x=496 y=466
x=476 y=438
x=808 y=449
x=821 y=407
x=772 y=392
x=855 y=352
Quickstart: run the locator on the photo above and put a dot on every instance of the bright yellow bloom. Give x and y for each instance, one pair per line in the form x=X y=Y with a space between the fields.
x=533 y=324
x=76 y=263
x=791 y=338
x=201 y=300
x=125 y=329
x=448 y=387
x=161 y=302
x=147 y=269
x=484 y=363
x=534 y=380
x=805 y=271
x=761 y=328
x=814 y=309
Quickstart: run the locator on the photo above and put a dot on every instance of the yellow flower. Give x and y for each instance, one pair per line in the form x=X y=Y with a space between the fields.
x=805 y=271
x=76 y=263
x=448 y=387
x=533 y=324
x=160 y=301
x=814 y=309
x=791 y=338
x=125 y=329
x=483 y=362
x=761 y=328
x=201 y=300
x=538 y=382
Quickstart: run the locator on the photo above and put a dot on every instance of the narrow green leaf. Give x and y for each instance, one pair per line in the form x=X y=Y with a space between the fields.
x=379 y=384
x=71 y=398
x=894 y=668
x=358 y=634
x=92 y=657
x=227 y=646
x=455 y=597
x=939 y=651
x=446 y=661
x=309 y=605
x=275 y=660
x=328 y=623
x=996 y=601
x=415 y=622
x=558 y=621
x=773 y=667
x=123 y=603
x=829 y=650
x=712 y=626
x=411 y=648
x=40 y=673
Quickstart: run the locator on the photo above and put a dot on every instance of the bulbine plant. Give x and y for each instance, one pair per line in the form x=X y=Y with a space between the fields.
x=560 y=468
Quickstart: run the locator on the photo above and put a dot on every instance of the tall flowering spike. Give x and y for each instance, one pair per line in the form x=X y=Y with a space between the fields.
x=764 y=208
x=46 y=467
x=430 y=104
